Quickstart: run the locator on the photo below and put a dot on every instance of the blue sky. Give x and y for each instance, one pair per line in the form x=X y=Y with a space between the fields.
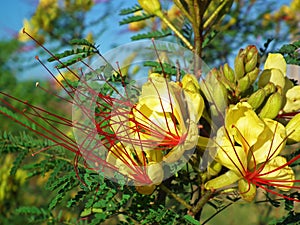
x=12 y=13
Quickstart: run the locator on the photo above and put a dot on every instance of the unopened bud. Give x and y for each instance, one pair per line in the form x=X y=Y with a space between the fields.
x=228 y=73
x=269 y=88
x=239 y=65
x=272 y=106
x=257 y=98
x=151 y=7
x=253 y=75
x=243 y=84
x=145 y=190
x=252 y=57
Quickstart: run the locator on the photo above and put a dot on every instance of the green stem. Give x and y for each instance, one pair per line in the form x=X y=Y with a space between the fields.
x=183 y=10
x=215 y=14
x=176 y=197
x=174 y=29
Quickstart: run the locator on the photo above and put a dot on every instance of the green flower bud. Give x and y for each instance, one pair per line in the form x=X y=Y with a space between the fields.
x=151 y=7
x=243 y=83
x=228 y=73
x=239 y=65
x=252 y=57
x=271 y=75
x=272 y=106
x=269 y=88
x=253 y=75
x=293 y=130
x=257 y=98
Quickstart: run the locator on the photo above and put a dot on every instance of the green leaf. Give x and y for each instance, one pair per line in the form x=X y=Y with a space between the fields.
x=136 y=18
x=154 y=34
x=191 y=220
x=16 y=165
x=130 y=10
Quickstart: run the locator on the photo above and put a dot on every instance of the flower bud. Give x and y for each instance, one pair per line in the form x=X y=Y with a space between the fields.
x=145 y=190
x=272 y=107
x=214 y=168
x=293 y=129
x=223 y=180
x=239 y=65
x=151 y=7
x=271 y=75
x=253 y=75
x=252 y=57
x=257 y=98
x=269 y=88
x=243 y=83
x=228 y=73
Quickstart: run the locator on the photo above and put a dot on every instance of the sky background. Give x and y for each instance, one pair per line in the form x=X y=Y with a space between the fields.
x=13 y=12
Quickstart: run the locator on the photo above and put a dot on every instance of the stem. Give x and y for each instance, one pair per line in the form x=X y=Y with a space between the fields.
x=203 y=200
x=183 y=10
x=176 y=197
x=214 y=15
x=176 y=31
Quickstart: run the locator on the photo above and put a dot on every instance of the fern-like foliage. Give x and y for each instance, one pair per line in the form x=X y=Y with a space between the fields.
x=77 y=54
x=291 y=53
x=130 y=10
x=153 y=34
x=135 y=18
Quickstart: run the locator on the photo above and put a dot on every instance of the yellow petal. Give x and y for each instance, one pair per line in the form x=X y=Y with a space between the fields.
x=242 y=122
x=293 y=129
x=230 y=156
x=223 y=180
x=292 y=99
x=247 y=190
x=269 y=144
x=188 y=143
x=155 y=172
x=285 y=176
x=275 y=61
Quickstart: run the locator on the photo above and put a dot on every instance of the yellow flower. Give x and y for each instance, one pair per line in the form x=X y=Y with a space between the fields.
x=167 y=114
x=292 y=100
x=249 y=147
x=274 y=71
